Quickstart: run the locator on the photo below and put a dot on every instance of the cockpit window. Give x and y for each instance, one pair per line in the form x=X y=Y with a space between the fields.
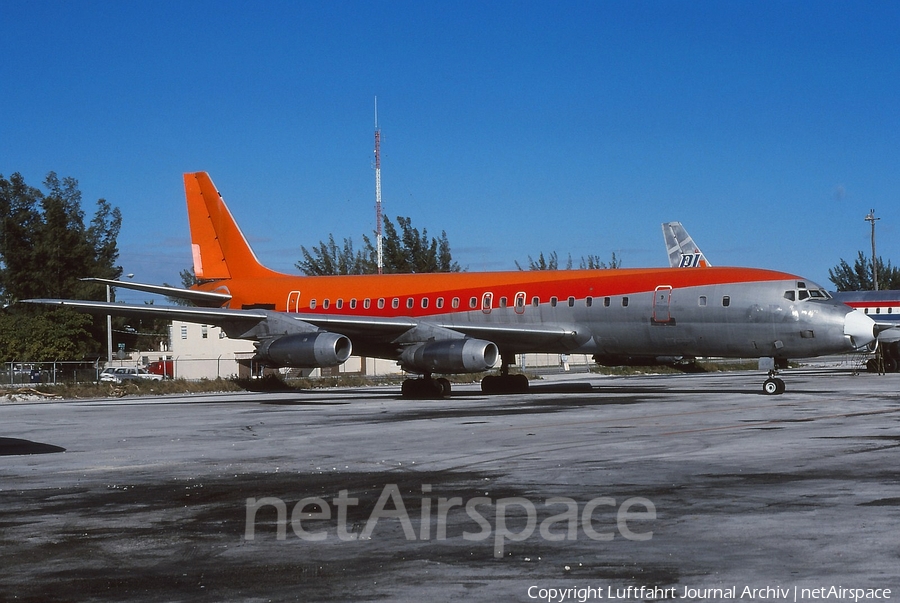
x=789 y=295
x=801 y=285
x=803 y=294
x=816 y=294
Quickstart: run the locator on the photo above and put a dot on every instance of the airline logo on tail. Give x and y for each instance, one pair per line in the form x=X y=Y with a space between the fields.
x=683 y=252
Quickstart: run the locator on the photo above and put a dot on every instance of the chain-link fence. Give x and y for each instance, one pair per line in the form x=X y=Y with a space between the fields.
x=18 y=373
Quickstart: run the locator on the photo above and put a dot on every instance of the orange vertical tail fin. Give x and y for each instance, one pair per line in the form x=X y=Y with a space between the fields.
x=218 y=246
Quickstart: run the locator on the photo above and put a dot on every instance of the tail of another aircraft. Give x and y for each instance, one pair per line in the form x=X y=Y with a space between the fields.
x=218 y=246
x=683 y=252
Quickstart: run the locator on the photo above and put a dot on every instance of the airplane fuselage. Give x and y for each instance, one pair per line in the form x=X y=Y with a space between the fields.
x=735 y=312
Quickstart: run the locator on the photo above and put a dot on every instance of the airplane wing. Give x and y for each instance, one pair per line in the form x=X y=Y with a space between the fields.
x=211 y=316
x=257 y=324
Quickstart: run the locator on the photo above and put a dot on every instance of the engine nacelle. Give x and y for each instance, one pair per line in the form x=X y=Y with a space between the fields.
x=450 y=356
x=306 y=350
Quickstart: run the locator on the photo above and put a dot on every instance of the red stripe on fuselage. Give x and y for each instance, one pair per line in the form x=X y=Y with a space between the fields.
x=542 y=284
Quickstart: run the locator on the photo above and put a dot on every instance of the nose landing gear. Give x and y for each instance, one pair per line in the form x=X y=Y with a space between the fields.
x=773 y=386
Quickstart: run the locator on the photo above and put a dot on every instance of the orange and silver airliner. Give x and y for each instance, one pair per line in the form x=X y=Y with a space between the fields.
x=465 y=322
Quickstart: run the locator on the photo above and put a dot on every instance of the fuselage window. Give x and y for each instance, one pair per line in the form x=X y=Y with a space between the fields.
x=553 y=301
x=625 y=302
x=702 y=301
x=410 y=302
x=535 y=301
x=726 y=301
x=325 y=303
x=455 y=302
x=606 y=302
x=571 y=302
x=353 y=304
x=339 y=304
x=890 y=310
x=367 y=303
x=503 y=302
x=588 y=301
x=424 y=302
x=877 y=310
x=867 y=310
x=312 y=304
x=395 y=303
x=380 y=303
x=473 y=302
x=439 y=303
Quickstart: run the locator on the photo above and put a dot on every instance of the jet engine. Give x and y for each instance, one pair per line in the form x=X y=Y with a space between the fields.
x=307 y=350
x=450 y=356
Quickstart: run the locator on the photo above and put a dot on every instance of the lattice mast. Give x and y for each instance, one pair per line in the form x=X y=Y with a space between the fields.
x=378 y=232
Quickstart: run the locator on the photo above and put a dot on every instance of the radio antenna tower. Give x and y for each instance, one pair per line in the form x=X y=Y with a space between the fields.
x=378 y=233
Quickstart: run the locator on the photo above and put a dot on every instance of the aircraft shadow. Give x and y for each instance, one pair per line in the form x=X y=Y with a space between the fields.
x=17 y=447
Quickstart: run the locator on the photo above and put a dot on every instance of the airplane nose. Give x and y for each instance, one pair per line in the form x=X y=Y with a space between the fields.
x=859 y=327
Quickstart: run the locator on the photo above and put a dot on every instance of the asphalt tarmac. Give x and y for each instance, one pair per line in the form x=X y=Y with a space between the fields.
x=693 y=487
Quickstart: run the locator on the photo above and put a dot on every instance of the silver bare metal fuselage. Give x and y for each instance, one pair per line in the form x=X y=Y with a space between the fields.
x=750 y=319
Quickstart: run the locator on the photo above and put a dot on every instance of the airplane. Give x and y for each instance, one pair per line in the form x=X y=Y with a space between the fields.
x=883 y=305
x=464 y=322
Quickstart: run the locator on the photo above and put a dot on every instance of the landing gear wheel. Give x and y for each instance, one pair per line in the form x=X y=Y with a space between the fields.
x=505 y=384
x=773 y=386
x=425 y=389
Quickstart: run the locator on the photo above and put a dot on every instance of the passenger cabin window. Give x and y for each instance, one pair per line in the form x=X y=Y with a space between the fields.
x=339 y=304
x=424 y=302
x=455 y=302
x=606 y=302
x=325 y=304
x=726 y=301
x=367 y=303
x=473 y=302
x=503 y=302
x=588 y=301
x=624 y=302
x=553 y=302
x=702 y=301
x=535 y=301
x=439 y=303
x=410 y=302
x=353 y=304
x=571 y=302
x=381 y=303
x=395 y=303
x=312 y=304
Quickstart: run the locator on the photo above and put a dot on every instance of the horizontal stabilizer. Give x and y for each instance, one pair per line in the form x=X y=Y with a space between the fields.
x=201 y=298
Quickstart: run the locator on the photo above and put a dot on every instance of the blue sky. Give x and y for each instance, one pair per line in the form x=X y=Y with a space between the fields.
x=769 y=128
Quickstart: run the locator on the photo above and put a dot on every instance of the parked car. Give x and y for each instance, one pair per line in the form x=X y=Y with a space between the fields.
x=121 y=374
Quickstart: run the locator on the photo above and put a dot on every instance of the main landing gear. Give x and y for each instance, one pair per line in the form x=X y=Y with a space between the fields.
x=773 y=385
x=504 y=383
x=425 y=388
